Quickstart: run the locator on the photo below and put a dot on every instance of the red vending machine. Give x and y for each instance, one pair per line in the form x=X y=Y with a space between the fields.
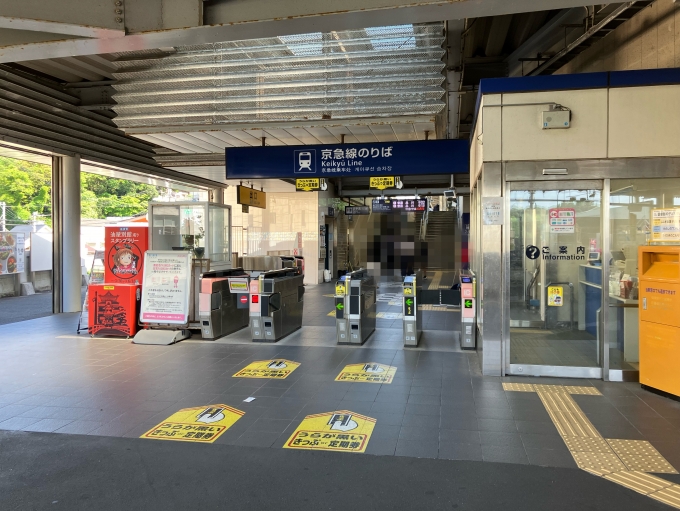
x=113 y=309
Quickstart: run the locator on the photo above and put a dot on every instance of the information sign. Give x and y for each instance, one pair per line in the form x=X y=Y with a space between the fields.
x=310 y=184
x=380 y=183
x=666 y=224
x=357 y=210
x=12 y=252
x=562 y=220
x=368 y=160
x=251 y=197
x=382 y=206
x=341 y=430
x=165 y=289
x=124 y=248
x=410 y=205
x=492 y=210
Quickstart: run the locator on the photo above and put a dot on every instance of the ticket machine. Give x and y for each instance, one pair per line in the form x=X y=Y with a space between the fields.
x=276 y=303
x=468 y=320
x=355 y=315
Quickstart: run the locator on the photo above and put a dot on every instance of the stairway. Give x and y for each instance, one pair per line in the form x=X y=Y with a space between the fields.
x=440 y=223
x=440 y=239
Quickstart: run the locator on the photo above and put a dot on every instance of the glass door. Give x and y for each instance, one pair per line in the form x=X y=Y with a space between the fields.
x=555 y=280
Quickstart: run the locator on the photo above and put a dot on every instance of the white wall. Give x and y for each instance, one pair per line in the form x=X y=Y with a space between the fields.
x=605 y=123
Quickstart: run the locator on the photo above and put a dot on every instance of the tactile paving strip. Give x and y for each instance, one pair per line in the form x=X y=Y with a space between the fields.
x=598 y=463
x=519 y=387
x=592 y=445
x=638 y=481
x=584 y=391
x=670 y=496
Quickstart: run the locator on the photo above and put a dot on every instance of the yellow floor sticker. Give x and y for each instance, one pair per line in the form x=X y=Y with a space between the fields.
x=369 y=373
x=278 y=369
x=331 y=313
x=624 y=462
x=342 y=431
x=204 y=424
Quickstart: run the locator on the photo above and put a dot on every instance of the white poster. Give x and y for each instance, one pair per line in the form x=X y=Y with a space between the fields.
x=41 y=251
x=666 y=224
x=492 y=210
x=166 y=289
x=12 y=252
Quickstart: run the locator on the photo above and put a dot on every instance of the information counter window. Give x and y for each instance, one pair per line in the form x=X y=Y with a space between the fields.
x=642 y=212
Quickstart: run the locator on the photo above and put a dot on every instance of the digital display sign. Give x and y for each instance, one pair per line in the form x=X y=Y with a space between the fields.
x=409 y=204
x=382 y=206
x=357 y=210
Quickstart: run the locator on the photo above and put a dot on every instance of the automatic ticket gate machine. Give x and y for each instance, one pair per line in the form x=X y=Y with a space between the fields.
x=223 y=302
x=412 y=316
x=468 y=310
x=276 y=302
x=355 y=315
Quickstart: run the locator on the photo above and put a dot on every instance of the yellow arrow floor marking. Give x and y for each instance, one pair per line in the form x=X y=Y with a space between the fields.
x=624 y=462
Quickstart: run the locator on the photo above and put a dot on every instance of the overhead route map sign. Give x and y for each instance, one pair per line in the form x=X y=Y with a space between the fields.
x=278 y=369
x=370 y=372
x=251 y=197
x=342 y=431
x=376 y=159
x=203 y=424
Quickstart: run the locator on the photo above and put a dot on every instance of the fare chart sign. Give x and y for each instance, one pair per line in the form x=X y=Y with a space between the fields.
x=369 y=160
x=165 y=290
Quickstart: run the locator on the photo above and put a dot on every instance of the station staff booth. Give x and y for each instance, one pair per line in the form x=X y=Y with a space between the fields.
x=567 y=182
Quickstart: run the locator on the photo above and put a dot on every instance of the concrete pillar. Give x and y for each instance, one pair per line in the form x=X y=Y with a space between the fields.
x=66 y=222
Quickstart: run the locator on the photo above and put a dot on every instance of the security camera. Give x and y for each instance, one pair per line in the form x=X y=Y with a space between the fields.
x=398 y=183
x=450 y=194
x=323 y=185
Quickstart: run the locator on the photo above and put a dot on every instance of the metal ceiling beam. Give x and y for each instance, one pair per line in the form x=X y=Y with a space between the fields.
x=235 y=20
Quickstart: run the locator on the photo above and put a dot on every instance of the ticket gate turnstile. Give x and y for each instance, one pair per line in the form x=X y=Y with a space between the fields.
x=468 y=320
x=221 y=310
x=276 y=303
x=355 y=315
x=412 y=315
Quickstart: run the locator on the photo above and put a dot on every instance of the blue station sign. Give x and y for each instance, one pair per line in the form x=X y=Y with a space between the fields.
x=349 y=160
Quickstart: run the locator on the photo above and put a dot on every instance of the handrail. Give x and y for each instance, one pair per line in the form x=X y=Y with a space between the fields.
x=424 y=220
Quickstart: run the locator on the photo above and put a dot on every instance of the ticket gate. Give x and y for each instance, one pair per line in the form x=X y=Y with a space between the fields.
x=222 y=310
x=468 y=320
x=355 y=304
x=276 y=302
x=413 y=316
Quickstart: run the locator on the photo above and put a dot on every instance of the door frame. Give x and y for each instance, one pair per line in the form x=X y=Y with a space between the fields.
x=602 y=185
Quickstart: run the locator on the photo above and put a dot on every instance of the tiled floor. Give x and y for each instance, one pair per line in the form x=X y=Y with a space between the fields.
x=438 y=406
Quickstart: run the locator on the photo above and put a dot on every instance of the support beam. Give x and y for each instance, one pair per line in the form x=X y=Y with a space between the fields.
x=497 y=35
x=66 y=266
x=235 y=20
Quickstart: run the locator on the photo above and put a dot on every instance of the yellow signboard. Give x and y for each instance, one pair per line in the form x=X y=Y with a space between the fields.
x=340 y=289
x=308 y=184
x=408 y=290
x=381 y=182
x=369 y=373
x=278 y=369
x=342 y=431
x=204 y=424
x=251 y=197
x=555 y=294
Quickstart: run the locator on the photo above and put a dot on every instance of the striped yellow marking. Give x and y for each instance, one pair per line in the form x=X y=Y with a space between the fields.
x=436 y=280
x=639 y=481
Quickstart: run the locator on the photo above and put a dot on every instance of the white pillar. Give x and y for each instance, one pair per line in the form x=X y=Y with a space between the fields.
x=66 y=219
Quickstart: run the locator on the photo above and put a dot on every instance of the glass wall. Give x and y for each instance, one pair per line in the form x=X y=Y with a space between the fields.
x=632 y=203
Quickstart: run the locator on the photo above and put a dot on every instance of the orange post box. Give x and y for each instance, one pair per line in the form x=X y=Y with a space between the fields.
x=659 y=303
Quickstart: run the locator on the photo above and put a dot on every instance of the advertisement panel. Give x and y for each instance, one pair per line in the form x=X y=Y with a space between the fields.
x=12 y=252
x=124 y=253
